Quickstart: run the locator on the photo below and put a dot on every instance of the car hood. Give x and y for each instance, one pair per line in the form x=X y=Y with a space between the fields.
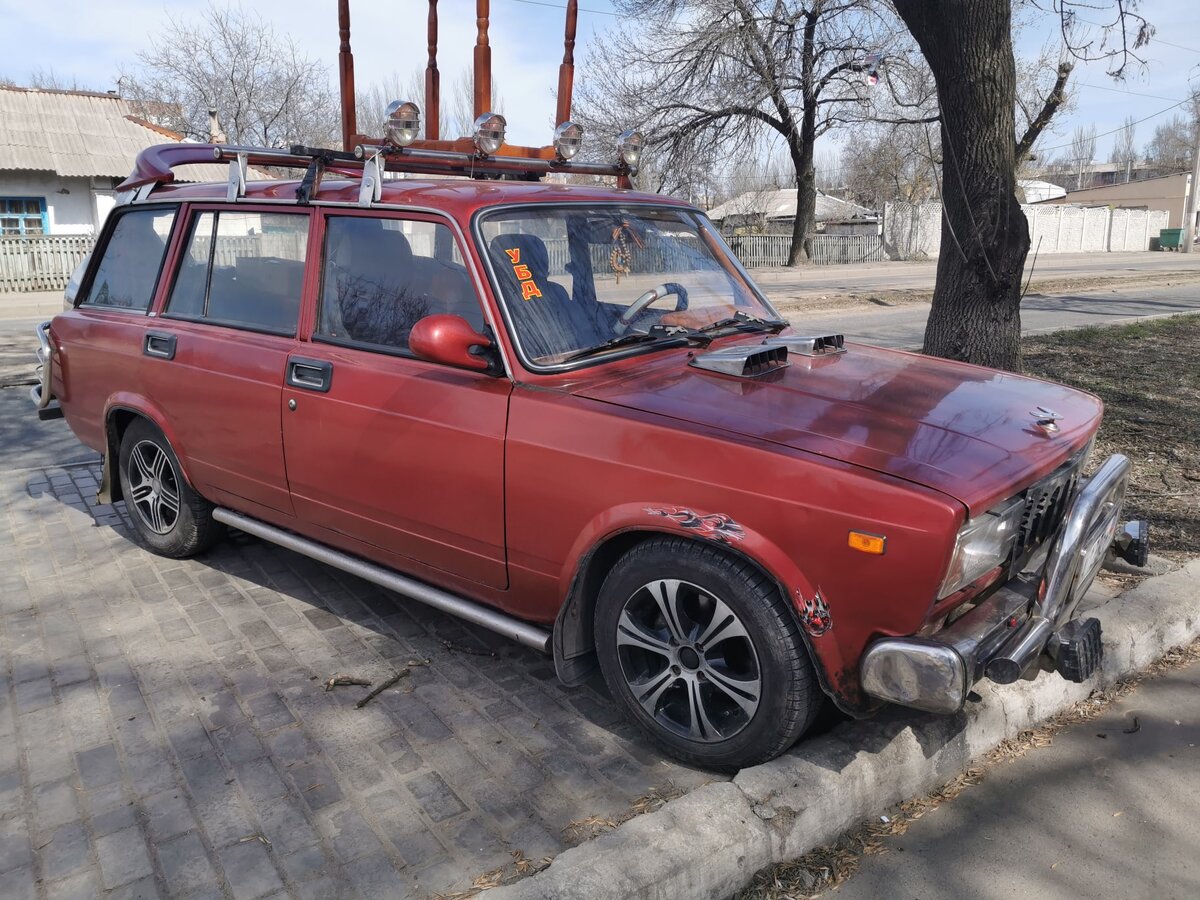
x=964 y=430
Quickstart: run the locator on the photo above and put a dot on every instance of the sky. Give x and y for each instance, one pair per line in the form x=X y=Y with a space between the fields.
x=90 y=41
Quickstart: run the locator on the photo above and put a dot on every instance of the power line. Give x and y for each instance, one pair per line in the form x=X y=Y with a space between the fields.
x=1101 y=87
x=595 y=12
x=1123 y=127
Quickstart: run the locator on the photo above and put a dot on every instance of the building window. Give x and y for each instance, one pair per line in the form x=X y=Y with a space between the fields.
x=22 y=215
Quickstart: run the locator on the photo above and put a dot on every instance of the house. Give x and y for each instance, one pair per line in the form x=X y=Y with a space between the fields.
x=775 y=210
x=1165 y=192
x=62 y=153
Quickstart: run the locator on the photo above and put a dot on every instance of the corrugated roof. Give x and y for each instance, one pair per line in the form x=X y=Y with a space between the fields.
x=80 y=134
x=775 y=204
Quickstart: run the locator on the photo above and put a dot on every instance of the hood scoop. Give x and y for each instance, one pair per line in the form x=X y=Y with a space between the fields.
x=824 y=345
x=743 y=361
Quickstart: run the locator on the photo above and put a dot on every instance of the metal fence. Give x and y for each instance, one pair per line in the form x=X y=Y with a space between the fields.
x=42 y=263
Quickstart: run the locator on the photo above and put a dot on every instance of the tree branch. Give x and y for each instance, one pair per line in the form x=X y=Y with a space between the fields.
x=1054 y=100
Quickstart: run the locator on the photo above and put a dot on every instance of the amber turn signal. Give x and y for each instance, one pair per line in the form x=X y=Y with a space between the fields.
x=867 y=543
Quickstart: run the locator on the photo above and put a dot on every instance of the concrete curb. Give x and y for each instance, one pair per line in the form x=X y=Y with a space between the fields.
x=710 y=842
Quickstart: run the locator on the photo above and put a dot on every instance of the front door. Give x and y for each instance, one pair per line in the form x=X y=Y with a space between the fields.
x=399 y=453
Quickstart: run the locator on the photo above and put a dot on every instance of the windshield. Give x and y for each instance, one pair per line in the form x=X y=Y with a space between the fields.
x=574 y=279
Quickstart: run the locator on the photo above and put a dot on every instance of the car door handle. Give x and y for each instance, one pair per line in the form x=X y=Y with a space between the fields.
x=310 y=374
x=159 y=344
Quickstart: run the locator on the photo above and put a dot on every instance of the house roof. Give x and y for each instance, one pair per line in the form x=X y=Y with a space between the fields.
x=782 y=205
x=80 y=134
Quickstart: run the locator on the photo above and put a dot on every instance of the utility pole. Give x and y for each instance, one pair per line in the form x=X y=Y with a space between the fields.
x=1189 y=209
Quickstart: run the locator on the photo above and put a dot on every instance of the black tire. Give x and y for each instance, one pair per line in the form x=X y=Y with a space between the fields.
x=150 y=476
x=711 y=587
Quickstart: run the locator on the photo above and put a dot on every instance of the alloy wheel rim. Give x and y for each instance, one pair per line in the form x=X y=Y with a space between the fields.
x=153 y=487
x=688 y=660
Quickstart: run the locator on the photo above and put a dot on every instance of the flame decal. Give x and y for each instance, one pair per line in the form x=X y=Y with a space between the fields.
x=714 y=526
x=814 y=614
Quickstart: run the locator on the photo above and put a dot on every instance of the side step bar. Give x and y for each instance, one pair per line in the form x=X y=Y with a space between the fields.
x=491 y=619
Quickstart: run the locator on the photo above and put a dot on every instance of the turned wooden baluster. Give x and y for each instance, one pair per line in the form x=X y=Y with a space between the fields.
x=346 y=76
x=483 y=61
x=433 y=87
x=566 y=72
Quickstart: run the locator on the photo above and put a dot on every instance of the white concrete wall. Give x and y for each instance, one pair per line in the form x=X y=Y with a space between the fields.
x=915 y=231
x=80 y=210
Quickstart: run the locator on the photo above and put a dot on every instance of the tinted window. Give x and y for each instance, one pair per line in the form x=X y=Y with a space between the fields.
x=243 y=269
x=381 y=276
x=128 y=271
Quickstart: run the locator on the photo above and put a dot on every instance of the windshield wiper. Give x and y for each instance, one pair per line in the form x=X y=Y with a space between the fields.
x=741 y=319
x=656 y=334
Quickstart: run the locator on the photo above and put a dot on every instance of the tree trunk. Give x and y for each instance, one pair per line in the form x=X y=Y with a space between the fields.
x=802 y=225
x=976 y=314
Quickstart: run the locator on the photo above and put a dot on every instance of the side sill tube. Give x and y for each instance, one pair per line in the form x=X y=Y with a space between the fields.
x=491 y=619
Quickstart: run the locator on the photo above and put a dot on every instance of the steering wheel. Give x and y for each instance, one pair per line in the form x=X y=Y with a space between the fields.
x=639 y=305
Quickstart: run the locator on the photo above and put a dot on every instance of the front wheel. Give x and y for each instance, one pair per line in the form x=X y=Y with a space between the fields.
x=168 y=516
x=701 y=651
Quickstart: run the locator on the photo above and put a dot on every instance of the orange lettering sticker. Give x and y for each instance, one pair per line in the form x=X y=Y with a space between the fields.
x=529 y=288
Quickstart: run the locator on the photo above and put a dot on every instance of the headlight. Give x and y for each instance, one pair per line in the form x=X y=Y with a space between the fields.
x=489 y=133
x=402 y=123
x=629 y=149
x=567 y=139
x=983 y=543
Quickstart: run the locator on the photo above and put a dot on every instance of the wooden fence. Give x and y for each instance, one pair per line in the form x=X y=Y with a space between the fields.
x=41 y=263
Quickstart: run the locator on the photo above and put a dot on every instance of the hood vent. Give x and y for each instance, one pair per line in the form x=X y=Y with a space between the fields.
x=745 y=362
x=824 y=345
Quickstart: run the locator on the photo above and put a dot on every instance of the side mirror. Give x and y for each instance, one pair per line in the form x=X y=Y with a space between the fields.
x=451 y=340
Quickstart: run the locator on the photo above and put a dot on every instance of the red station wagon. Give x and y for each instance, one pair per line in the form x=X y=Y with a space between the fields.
x=565 y=413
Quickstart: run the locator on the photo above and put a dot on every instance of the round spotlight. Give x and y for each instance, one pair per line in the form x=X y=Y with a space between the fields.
x=489 y=133
x=568 y=138
x=402 y=123
x=629 y=148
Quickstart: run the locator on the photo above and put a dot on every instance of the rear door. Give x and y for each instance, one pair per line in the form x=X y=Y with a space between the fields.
x=217 y=354
x=397 y=452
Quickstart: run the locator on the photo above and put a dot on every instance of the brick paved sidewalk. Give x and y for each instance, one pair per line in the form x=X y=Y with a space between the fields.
x=164 y=731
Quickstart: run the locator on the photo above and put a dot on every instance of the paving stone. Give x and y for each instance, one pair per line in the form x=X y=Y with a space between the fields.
x=98 y=766
x=168 y=814
x=55 y=803
x=185 y=864
x=249 y=870
x=83 y=886
x=376 y=877
x=436 y=797
x=15 y=850
x=123 y=857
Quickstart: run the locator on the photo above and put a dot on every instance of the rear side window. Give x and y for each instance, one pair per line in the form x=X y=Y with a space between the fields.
x=133 y=256
x=381 y=276
x=242 y=269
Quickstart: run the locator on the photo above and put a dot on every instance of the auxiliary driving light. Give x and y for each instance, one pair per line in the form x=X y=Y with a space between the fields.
x=629 y=148
x=489 y=133
x=402 y=122
x=568 y=138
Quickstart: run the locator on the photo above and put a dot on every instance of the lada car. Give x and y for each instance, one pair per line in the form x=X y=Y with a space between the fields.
x=566 y=413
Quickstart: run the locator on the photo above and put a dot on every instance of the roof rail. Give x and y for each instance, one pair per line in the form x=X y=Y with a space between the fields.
x=155 y=164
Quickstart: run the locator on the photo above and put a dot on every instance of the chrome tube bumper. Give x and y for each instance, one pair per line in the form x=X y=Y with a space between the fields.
x=1006 y=634
x=40 y=393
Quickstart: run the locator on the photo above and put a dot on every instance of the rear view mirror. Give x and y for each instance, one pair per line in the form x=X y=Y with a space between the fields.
x=451 y=340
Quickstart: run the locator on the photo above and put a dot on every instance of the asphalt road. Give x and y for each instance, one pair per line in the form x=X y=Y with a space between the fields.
x=882 y=276
x=1101 y=812
x=904 y=326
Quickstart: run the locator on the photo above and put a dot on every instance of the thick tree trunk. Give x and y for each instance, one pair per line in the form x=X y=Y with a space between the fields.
x=806 y=208
x=976 y=313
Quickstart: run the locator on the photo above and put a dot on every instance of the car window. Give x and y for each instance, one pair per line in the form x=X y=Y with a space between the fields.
x=381 y=276
x=243 y=269
x=128 y=270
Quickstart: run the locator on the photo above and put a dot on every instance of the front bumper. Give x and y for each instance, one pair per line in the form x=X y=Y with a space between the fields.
x=1029 y=620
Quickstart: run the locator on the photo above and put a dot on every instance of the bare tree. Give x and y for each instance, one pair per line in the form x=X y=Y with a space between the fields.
x=266 y=92
x=1124 y=151
x=1083 y=153
x=975 y=315
x=1174 y=141
x=705 y=77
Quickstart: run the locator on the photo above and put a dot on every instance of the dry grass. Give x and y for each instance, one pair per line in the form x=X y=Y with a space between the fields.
x=1148 y=375
x=829 y=866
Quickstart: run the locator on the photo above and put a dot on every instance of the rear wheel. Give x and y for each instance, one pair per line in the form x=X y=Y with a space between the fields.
x=702 y=653
x=168 y=516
